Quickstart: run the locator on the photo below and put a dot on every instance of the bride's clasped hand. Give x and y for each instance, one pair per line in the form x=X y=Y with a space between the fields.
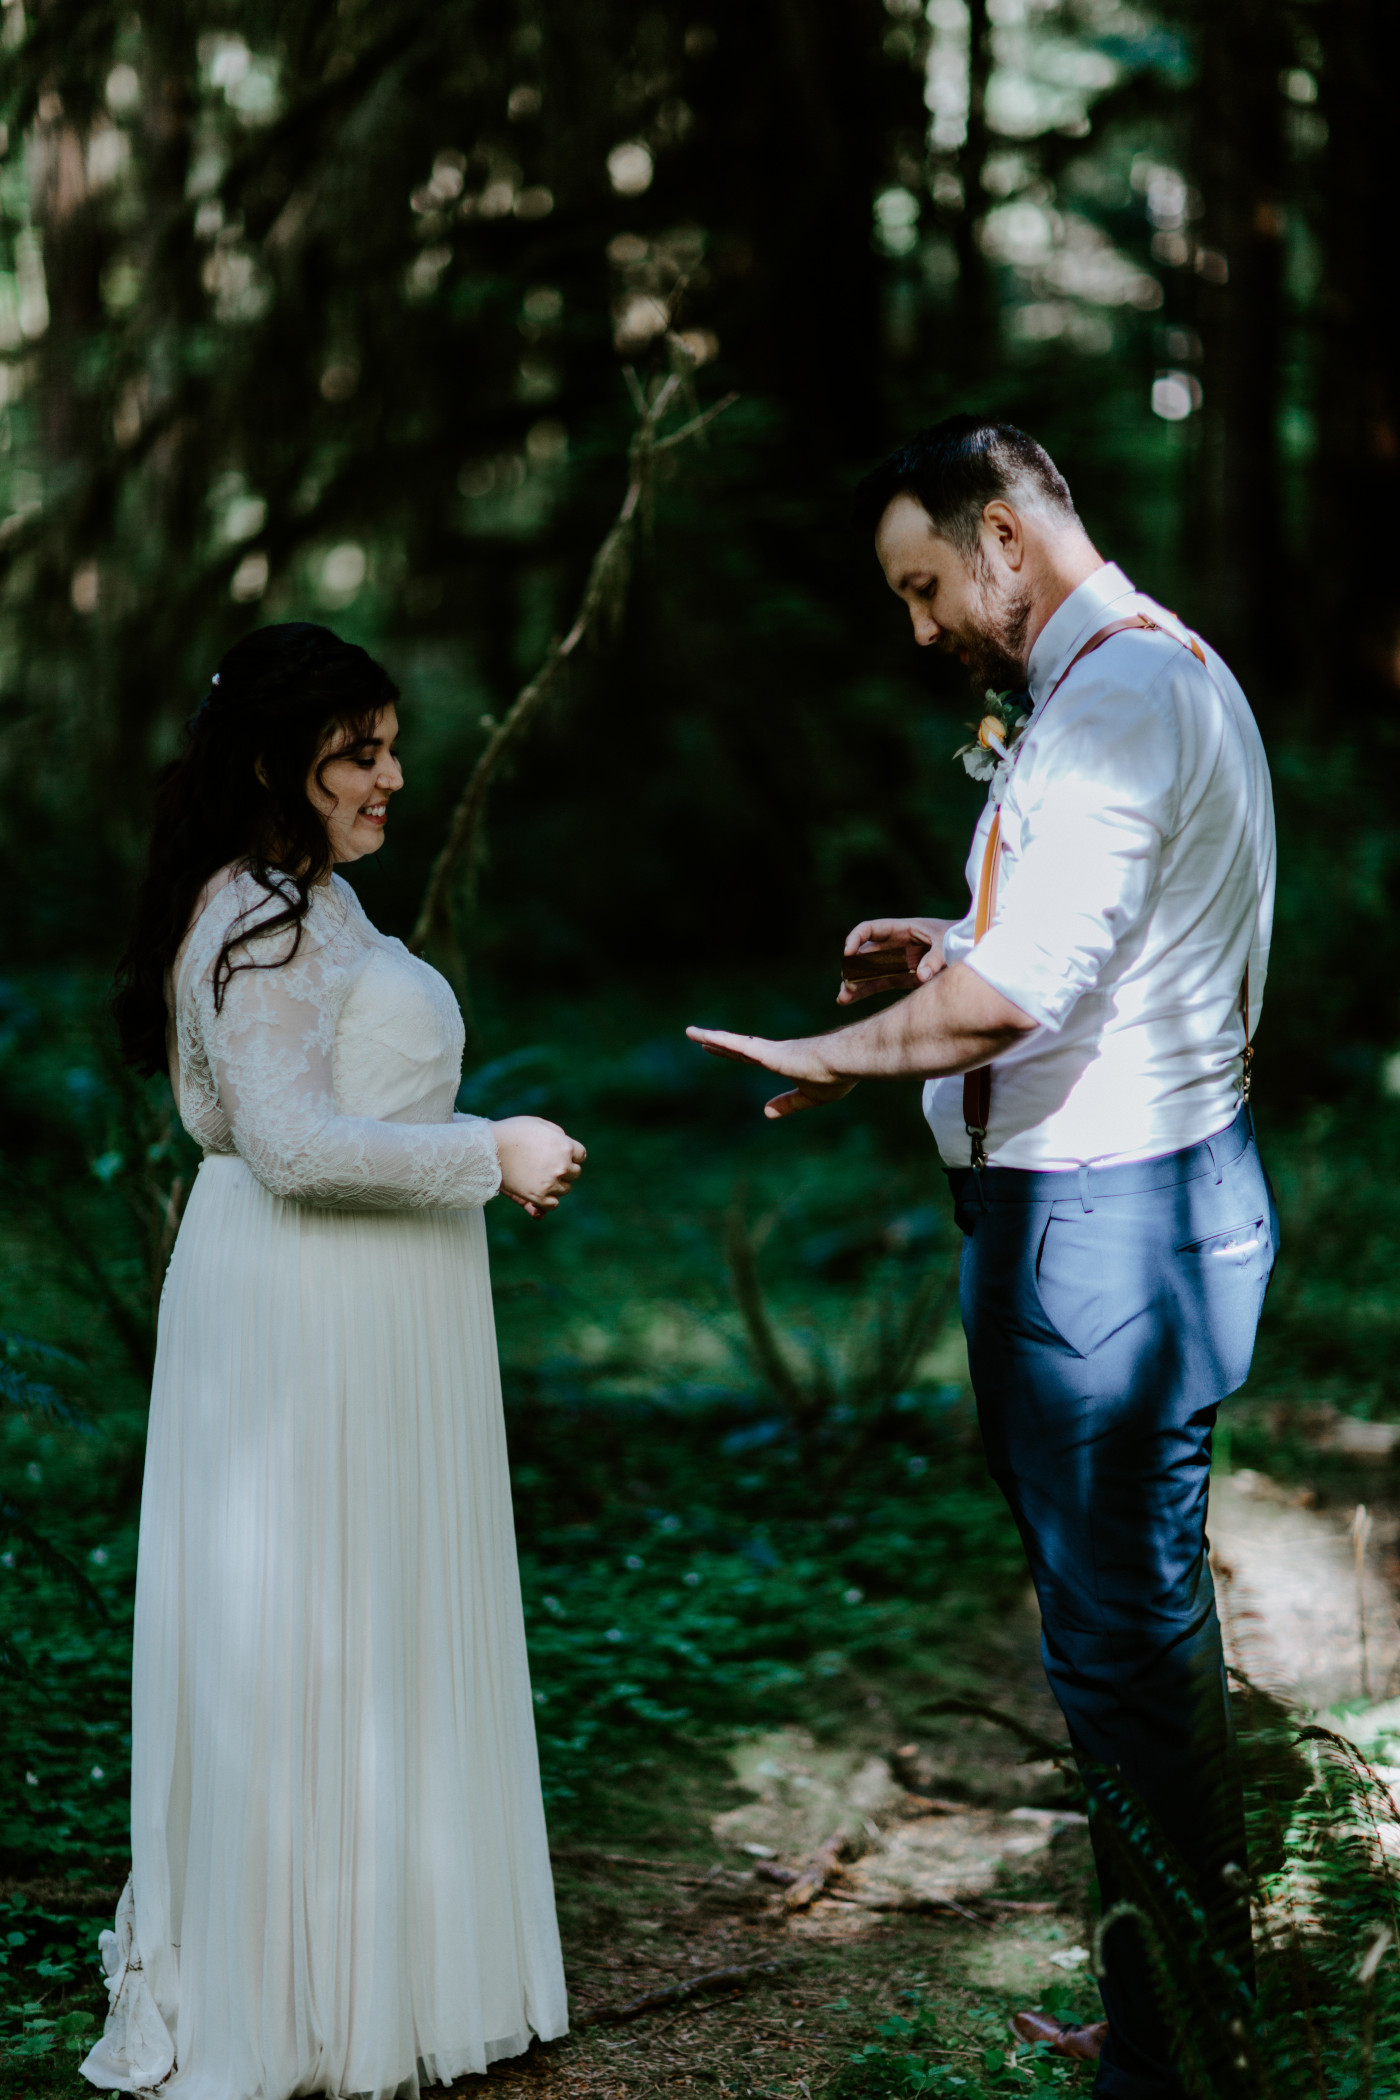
x=539 y=1162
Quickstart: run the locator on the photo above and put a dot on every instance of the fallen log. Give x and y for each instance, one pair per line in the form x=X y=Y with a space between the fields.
x=968 y=1907
x=1040 y=1745
x=594 y=1856
x=822 y=1867
x=690 y=1987
x=69 y=1899
x=936 y=1906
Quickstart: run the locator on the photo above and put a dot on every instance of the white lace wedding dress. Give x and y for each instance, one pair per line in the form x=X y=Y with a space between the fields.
x=340 y=1878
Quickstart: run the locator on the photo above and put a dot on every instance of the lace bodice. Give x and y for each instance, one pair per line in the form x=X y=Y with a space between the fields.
x=334 y=1074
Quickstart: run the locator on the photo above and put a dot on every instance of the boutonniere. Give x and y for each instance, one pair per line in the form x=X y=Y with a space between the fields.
x=998 y=733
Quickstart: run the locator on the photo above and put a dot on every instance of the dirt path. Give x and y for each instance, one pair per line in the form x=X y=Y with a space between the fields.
x=1293 y=1603
x=996 y=1842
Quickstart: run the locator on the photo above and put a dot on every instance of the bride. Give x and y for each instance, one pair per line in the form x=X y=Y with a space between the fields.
x=340 y=1878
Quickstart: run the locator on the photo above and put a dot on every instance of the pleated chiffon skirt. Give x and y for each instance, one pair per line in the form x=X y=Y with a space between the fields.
x=340 y=1874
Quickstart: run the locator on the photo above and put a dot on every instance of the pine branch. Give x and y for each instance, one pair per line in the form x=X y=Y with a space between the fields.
x=29 y=1396
x=600 y=607
x=1055 y=1753
x=691 y=1987
x=15 y=1524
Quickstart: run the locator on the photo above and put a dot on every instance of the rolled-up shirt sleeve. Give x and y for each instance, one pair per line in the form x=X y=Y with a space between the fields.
x=1088 y=841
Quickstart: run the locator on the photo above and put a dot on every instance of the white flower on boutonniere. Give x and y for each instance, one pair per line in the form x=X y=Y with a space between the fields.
x=998 y=734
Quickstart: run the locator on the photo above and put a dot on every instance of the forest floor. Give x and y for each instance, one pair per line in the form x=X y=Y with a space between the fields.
x=1002 y=1874
x=1012 y=1877
x=738 y=1658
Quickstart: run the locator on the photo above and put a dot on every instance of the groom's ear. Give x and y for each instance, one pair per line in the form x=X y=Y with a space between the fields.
x=1002 y=525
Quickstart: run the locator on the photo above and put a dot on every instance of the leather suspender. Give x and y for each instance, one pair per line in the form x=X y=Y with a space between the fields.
x=977 y=1084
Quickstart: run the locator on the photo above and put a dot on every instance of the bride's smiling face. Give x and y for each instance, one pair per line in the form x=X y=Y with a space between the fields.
x=352 y=787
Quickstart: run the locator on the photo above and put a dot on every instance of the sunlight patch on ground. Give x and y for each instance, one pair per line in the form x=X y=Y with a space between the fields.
x=1300 y=1616
x=1023 y=1960
x=901 y=1851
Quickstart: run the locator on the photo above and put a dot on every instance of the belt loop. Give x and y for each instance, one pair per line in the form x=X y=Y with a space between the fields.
x=1084 y=1195
x=981 y=1191
x=1219 y=1170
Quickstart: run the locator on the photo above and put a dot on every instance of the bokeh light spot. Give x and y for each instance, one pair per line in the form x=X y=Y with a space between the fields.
x=630 y=168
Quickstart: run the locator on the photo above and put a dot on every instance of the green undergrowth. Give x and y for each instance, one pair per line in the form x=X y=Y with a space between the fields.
x=1326 y=2018
x=748 y=1483
x=657 y=1627
x=920 y=2050
x=712 y=1590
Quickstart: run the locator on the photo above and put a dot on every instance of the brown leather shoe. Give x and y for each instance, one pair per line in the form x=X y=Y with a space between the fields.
x=1084 y=2044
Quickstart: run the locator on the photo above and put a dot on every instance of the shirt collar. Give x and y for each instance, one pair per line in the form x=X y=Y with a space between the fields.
x=1071 y=625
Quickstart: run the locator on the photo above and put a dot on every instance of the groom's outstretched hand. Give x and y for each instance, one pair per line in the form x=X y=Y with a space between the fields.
x=950 y=1022
x=800 y=1061
x=890 y=955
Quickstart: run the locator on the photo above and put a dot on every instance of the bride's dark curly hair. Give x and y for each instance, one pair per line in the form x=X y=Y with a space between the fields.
x=237 y=794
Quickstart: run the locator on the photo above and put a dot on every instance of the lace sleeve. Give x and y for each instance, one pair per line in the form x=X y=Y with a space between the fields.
x=269 y=1050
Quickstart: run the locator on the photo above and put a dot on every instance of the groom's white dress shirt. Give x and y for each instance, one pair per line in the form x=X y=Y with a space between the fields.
x=1137 y=880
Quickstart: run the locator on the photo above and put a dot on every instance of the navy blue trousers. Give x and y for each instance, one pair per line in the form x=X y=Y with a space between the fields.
x=1108 y=1312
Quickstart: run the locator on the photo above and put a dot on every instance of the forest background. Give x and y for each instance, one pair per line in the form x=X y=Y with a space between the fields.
x=348 y=312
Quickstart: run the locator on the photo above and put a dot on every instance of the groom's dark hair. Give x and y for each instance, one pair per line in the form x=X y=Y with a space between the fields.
x=956 y=467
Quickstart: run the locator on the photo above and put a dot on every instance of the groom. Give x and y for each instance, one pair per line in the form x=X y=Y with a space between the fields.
x=1083 y=1034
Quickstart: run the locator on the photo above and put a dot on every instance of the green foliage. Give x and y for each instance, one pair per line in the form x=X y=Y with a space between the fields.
x=682 y=1576
x=706 y=1614
x=53 y=1951
x=855 y=1392
x=1333 y=1333
x=1327 y=2017
x=1328 y=1908
x=29 y=1394
x=342 y=334
x=690 y=1566
x=923 y=2051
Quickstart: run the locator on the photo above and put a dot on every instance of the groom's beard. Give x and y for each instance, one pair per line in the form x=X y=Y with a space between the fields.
x=996 y=649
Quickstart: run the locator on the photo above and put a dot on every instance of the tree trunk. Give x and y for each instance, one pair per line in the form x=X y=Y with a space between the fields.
x=1355 y=554
x=795 y=158
x=1239 y=156
x=977 y=311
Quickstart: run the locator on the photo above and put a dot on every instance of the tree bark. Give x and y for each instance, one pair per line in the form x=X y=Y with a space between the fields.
x=794 y=150
x=1240 y=159
x=976 y=304
x=1354 y=558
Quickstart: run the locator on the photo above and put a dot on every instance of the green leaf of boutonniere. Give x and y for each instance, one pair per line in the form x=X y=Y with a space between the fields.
x=981 y=757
